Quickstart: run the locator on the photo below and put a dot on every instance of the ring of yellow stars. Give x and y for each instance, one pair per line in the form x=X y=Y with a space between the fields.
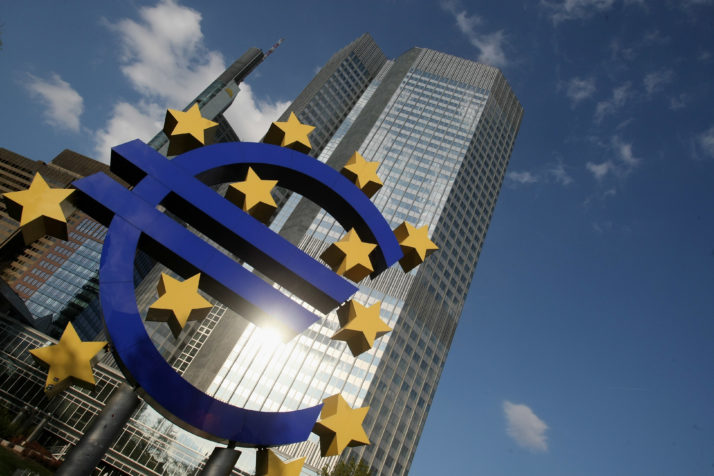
x=39 y=210
x=349 y=257
x=70 y=361
x=340 y=426
x=291 y=134
x=415 y=244
x=363 y=174
x=361 y=325
x=187 y=130
x=253 y=196
x=270 y=464
x=179 y=302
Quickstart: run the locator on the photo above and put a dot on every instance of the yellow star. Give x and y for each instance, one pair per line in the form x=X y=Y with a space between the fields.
x=415 y=244
x=291 y=134
x=363 y=174
x=253 y=195
x=340 y=426
x=178 y=303
x=360 y=326
x=349 y=257
x=39 y=209
x=70 y=361
x=187 y=130
x=270 y=464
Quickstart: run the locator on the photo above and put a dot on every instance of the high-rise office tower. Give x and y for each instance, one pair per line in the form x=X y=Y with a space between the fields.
x=442 y=129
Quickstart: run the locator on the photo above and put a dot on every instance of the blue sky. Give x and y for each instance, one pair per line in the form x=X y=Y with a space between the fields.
x=587 y=343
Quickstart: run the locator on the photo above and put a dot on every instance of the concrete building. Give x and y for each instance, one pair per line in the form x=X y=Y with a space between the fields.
x=56 y=279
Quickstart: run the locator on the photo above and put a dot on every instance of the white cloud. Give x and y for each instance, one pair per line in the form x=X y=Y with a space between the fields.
x=575 y=9
x=624 y=153
x=602 y=227
x=251 y=117
x=627 y=53
x=63 y=104
x=491 y=46
x=579 y=89
x=522 y=177
x=654 y=37
x=128 y=122
x=560 y=174
x=624 y=123
x=164 y=57
x=624 y=164
x=619 y=97
x=706 y=141
x=618 y=51
x=656 y=80
x=600 y=170
x=678 y=102
x=525 y=427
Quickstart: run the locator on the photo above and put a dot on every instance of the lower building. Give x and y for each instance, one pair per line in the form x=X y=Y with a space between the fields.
x=57 y=279
x=149 y=445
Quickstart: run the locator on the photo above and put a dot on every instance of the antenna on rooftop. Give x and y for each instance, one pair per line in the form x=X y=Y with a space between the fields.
x=273 y=48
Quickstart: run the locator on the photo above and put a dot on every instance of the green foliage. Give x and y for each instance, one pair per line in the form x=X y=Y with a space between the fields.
x=349 y=468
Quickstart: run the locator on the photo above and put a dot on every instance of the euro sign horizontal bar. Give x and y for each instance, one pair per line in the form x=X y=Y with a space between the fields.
x=302 y=174
x=185 y=253
x=236 y=231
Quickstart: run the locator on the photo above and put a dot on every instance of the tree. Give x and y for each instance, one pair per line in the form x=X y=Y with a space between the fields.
x=349 y=468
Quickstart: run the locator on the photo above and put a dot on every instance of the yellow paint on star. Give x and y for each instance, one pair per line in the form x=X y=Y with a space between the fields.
x=363 y=174
x=253 y=196
x=340 y=426
x=349 y=257
x=187 y=130
x=270 y=464
x=291 y=134
x=39 y=209
x=179 y=302
x=415 y=244
x=361 y=325
x=70 y=361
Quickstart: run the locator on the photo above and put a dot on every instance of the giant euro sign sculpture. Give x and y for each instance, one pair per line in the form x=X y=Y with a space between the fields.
x=183 y=187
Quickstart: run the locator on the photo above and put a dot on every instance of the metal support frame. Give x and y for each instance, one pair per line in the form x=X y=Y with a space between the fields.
x=102 y=432
x=221 y=461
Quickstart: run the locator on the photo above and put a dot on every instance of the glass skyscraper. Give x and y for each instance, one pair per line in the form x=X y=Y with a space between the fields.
x=443 y=129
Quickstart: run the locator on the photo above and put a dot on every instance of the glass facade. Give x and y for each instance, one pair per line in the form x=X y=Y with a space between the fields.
x=148 y=445
x=442 y=129
x=69 y=271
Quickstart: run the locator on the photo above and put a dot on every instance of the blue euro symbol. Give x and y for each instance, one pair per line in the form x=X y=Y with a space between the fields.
x=182 y=186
